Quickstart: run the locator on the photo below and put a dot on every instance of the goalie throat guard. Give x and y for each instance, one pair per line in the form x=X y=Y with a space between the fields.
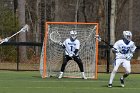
x=73 y=35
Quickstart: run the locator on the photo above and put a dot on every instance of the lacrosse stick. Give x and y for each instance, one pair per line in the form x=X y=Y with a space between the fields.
x=128 y=56
x=55 y=37
x=25 y=28
x=100 y=40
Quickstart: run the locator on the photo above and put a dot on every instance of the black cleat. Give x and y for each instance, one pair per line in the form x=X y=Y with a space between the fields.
x=122 y=82
x=110 y=85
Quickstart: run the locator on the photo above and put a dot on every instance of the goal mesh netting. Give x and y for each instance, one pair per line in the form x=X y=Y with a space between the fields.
x=52 y=53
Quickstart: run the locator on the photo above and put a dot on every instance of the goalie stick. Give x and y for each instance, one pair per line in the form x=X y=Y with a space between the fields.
x=25 y=28
x=55 y=37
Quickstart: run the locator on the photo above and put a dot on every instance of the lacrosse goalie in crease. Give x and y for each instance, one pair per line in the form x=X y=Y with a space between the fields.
x=71 y=46
x=124 y=50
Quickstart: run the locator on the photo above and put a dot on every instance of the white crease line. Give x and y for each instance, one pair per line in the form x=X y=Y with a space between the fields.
x=83 y=88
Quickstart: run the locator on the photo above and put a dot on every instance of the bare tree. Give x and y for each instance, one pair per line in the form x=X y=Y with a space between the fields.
x=22 y=36
x=112 y=25
x=37 y=24
x=113 y=21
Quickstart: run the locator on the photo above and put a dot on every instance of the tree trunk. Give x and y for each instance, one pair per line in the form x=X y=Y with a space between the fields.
x=37 y=25
x=22 y=36
x=112 y=25
x=112 y=22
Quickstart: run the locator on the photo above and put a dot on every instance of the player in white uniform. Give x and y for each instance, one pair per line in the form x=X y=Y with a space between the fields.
x=72 y=46
x=124 y=50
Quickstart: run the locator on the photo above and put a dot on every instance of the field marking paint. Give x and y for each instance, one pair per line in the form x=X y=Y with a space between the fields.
x=57 y=81
x=83 y=88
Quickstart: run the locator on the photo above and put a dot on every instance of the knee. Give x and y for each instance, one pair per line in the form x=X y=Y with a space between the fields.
x=64 y=63
x=114 y=71
x=79 y=63
x=128 y=72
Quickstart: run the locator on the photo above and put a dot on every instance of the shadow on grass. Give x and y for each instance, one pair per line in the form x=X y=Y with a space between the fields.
x=113 y=86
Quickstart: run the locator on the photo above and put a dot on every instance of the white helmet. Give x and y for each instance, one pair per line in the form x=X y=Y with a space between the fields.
x=127 y=35
x=73 y=34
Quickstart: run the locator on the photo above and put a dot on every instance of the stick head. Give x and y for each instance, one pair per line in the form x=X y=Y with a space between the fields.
x=98 y=38
x=25 y=28
x=55 y=37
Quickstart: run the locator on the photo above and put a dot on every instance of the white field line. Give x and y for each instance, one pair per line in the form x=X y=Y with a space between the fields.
x=88 y=81
x=83 y=88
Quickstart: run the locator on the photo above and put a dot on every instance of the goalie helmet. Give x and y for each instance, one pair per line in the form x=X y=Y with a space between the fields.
x=73 y=35
x=127 y=35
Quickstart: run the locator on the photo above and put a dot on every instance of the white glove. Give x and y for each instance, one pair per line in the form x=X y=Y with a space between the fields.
x=71 y=55
x=129 y=56
x=6 y=39
x=61 y=44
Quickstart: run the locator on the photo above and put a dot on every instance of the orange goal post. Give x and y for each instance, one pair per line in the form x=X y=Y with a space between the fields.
x=52 y=53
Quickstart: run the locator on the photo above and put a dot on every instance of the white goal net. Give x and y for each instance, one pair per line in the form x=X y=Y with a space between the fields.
x=52 y=53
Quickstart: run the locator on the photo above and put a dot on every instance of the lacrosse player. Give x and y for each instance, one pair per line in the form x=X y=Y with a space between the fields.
x=124 y=50
x=71 y=46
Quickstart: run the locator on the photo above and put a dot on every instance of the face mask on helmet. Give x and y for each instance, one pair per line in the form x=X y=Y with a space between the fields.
x=73 y=35
x=127 y=35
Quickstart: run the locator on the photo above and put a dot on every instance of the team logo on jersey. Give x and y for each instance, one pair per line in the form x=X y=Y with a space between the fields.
x=71 y=44
x=125 y=50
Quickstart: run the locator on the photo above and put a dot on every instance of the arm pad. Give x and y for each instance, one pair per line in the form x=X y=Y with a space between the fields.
x=61 y=44
x=76 y=50
x=114 y=50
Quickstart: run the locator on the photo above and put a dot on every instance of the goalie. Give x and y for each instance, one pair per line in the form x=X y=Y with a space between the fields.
x=124 y=50
x=71 y=46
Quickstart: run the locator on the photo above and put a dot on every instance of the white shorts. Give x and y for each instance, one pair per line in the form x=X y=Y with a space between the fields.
x=125 y=63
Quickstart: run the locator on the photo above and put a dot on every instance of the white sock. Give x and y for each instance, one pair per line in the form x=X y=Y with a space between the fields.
x=60 y=75
x=83 y=74
x=61 y=72
x=112 y=77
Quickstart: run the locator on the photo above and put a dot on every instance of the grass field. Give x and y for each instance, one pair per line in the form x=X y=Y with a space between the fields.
x=31 y=82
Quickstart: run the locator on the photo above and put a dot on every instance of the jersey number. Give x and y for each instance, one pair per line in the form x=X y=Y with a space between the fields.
x=71 y=48
x=125 y=50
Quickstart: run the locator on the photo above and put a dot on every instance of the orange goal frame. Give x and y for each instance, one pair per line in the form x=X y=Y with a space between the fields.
x=44 y=74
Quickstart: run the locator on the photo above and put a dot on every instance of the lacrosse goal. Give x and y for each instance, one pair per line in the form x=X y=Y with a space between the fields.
x=52 y=53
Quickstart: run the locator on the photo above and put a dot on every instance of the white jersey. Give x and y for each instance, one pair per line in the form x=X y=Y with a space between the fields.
x=124 y=49
x=71 y=46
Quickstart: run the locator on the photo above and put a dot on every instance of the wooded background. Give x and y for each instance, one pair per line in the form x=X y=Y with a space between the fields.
x=113 y=16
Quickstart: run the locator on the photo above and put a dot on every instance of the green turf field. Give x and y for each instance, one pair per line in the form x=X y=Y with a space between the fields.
x=31 y=82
